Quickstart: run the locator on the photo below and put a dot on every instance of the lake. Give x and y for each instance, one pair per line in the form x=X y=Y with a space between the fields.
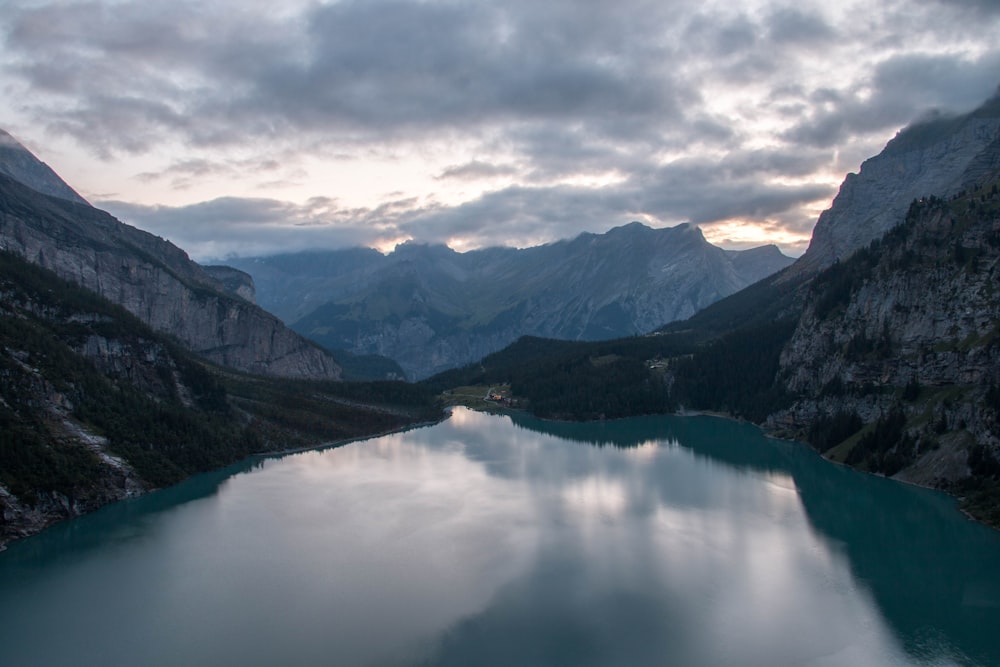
x=506 y=540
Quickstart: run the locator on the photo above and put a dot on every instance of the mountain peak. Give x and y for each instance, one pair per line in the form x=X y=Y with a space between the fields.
x=632 y=227
x=938 y=155
x=20 y=164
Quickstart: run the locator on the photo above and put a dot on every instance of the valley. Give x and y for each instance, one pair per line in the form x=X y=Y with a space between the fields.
x=879 y=348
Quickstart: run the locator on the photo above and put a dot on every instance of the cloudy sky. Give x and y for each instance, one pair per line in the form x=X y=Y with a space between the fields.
x=236 y=127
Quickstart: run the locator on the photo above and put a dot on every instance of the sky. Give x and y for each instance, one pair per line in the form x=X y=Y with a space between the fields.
x=244 y=127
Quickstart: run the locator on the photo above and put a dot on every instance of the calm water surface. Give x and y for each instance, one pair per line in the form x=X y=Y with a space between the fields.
x=490 y=540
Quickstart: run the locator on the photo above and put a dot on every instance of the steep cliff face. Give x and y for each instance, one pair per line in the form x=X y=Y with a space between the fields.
x=431 y=308
x=154 y=280
x=940 y=156
x=905 y=336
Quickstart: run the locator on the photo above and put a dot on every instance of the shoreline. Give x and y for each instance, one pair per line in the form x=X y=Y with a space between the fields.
x=774 y=436
x=37 y=528
x=333 y=444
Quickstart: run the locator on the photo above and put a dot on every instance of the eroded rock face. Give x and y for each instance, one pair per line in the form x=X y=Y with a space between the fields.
x=939 y=156
x=154 y=280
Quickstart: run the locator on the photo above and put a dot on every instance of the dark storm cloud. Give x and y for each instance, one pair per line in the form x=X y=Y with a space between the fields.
x=790 y=25
x=383 y=66
x=983 y=7
x=659 y=101
x=389 y=67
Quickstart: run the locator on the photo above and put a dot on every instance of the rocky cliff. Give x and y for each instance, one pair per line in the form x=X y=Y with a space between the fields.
x=940 y=155
x=905 y=337
x=431 y=308
x=154 y=280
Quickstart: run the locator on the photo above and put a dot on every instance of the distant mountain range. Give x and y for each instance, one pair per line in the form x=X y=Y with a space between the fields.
x=431 y=308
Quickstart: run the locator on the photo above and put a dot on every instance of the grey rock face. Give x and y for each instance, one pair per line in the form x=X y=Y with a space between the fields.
x=155 y=281
x=939 y=156
x=431 y=308
x=922 y=308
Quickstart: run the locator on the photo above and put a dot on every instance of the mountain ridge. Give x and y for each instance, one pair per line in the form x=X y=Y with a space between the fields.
x=149 y=276
x=430 y=307
x=887 y=359
x=21 y=165
x=938 y=155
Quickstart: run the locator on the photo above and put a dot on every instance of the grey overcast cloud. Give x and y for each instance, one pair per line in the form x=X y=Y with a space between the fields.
x=249 y=127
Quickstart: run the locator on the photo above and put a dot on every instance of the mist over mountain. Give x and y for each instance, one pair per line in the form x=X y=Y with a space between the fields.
x=940 y=155
x=431 y=308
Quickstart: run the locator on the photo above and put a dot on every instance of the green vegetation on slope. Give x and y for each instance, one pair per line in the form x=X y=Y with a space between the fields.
x=736 y=373
x=69 y=357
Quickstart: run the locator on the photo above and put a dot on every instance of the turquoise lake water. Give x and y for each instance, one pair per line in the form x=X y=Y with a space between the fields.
x=499 y=540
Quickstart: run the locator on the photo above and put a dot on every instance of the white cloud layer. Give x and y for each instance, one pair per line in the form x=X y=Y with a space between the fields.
x=230 y=127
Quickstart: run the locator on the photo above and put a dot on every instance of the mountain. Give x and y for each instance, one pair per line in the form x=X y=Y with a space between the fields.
x=234 y=281
x=905 y=336
x=121 y=360
x=431 y=308
x=940 y=155
x=886 y=358
x=150 y=277
x=95 y=406
x=18 y=163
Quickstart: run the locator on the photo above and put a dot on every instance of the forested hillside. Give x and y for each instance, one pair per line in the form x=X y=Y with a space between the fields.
x=95 y=406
